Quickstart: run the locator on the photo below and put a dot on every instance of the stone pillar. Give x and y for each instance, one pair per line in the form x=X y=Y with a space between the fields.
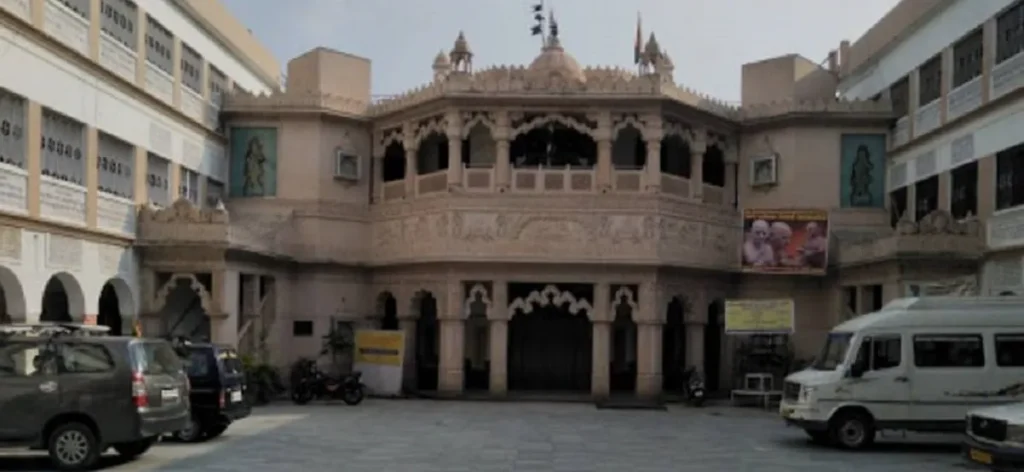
x=653 y=137
x=698 y=146
x=453 y=343
x=988 y=56
x=731 y=168
x=377 y=184
x=408 y=327
x=695 y=344
x=502 y=163
x=601 y=319
x=604 y=138
x=410 y=172
x=454 y=134
x=498 y=342
x=648 y=355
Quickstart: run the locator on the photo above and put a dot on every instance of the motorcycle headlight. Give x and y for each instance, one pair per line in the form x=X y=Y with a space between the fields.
x=806 y=392
x=1015 y=433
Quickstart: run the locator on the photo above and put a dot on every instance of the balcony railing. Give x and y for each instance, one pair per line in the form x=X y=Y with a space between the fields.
x=478 y=179
x=192 y=104
x=964 y=99
x=714 y=195
x=927 y=118
x=159 y=83
x=675 y=185
x=20 y=8
x=631 y=180
x=117 y=58
x=66 y=26
x=434 y=182
x=394 y=190
x=901 y=132
x=1007 y=76
x=541 y=179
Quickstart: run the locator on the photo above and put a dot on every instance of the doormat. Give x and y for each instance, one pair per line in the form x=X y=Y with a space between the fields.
x=630 y=404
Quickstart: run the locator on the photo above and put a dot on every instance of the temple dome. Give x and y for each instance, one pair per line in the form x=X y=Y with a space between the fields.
x=553 y=60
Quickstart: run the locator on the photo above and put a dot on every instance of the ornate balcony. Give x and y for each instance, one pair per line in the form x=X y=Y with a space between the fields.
x=937 y=236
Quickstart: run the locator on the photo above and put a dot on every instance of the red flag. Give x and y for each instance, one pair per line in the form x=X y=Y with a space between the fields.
x=638 y=45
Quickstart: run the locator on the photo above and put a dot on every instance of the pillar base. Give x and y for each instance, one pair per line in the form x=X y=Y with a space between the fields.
x=648 y=386
x=450 y=384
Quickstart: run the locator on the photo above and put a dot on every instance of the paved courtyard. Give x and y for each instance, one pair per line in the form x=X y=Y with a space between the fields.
x=427 y=436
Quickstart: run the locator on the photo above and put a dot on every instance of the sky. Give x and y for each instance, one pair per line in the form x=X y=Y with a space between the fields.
x=708 y=40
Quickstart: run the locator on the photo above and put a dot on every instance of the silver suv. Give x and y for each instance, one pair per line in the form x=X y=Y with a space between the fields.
x=75 y=392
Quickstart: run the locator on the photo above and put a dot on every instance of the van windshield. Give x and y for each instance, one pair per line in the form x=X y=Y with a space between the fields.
x=834 y=352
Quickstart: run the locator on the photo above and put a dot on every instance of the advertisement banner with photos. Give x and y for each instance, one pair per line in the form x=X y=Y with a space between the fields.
x=785 y=241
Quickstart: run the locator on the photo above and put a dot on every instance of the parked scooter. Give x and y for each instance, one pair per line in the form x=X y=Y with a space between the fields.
x=310 y=383
x=693 y=387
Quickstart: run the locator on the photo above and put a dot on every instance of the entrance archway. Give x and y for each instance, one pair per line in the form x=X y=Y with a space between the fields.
x=12 y=297
x=624 y=337
x=183 y=315
x=714 y=331
x=62 y=300
x=673 y=346
x=428 y=353
x=114 y=304
x=476 y=350
x=388 y=307
x=549 y=338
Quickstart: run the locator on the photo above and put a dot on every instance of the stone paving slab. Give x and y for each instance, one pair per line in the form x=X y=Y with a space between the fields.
x=429 y=436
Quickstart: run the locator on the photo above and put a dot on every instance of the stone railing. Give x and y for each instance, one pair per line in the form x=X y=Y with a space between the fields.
x=478 y=179
x=629 y=180
x=714 y=195
x=295 y=100
x=546 y=179
x=936 y=236
x=433 y=182
x=394 y=190
x=817 y=106
x=675 y=185
x=964 y=99
x=1007 y=76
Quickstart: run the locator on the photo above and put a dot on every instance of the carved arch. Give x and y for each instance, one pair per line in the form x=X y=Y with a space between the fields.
x=470 y=120
x=539 y=121
x=391 y=136
x=477 y=290
x=629 y=121
x=206 y=301
x=625 y=291
x=551 y=295
x=434 y=125
x=672 y=128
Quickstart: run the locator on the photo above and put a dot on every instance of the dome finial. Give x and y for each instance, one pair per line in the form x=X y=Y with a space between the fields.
x=461 y=56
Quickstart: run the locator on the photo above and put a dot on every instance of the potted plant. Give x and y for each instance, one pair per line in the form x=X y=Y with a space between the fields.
x=338 y=344
x=263 y=381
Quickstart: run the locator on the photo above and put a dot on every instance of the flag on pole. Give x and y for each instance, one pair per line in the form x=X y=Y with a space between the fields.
x=638 y=44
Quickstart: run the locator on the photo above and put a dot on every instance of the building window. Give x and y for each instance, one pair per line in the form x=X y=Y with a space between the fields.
x=926 y=197
x=189 y=186
x=158 y=180
x=159 y=45
x=1010 y=32
x=967 y=58
x=949 y=350
x=899 y=94
x=897 y=205
x=81 y=7
x=63 y=148
x=1010 y=177
x=191 y=69
x=302 y=329
x=214 y=192
x=930 y=81
x=218 y=85
x=1010 y=350
x=964 y=190
x=118 y=21
x=115 y=167
x=13 y=146
x=875 y=292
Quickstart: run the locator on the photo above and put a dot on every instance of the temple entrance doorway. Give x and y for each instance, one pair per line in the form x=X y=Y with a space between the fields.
x=673 y=346
x=110 y=310
x=549 y=337
x=428 y=352
x=624 y=337
x=62 y=300
x=389 y=318
x=714 y=332
x=183 y=315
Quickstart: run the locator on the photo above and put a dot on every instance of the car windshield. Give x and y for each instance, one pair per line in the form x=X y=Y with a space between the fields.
x=155 y=358
x=834 y=352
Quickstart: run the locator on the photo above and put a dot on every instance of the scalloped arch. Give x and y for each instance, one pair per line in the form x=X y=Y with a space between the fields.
x=475 y=291
x=630 y=299
x=551 y=295
x=436 y=125
x=555 y=118
x=677 y=129
x=391 y=137
x=480 y=119
x=629 y=121
x=196 y=286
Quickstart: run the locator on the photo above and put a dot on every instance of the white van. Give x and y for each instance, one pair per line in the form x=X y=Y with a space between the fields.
x=918 y=364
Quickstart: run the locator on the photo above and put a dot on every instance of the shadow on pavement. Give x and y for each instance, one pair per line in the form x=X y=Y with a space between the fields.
x=886 y=445
x=40 y=462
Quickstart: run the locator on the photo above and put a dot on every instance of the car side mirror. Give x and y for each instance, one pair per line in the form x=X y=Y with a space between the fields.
x=857 y=370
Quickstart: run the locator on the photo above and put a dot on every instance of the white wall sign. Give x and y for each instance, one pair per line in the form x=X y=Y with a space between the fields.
x=63 y=148
x=13 y=146
x=115 y=214
x=13 y=190
x=115 y=164
x=158 y=180
x=62 y=201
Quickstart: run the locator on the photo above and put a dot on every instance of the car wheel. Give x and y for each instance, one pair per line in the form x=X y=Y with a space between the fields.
x=131 y=450
x=193 y=432
x=852 y=430
x=215 y=430
x=73 y=446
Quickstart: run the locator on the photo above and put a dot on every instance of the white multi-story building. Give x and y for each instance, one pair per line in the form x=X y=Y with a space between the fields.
x=954 y=70
x=106 y=105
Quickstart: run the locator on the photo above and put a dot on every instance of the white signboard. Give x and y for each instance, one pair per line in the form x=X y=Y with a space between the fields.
x=380 y=355
x=62 y=201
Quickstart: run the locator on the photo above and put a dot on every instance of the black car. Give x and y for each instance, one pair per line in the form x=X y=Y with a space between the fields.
x=218 y=390
x=76 y=392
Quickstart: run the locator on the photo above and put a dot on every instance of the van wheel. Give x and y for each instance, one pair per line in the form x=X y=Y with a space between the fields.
x=852 y=430
x=131 y=450
x=73 y=446
x=191 y=433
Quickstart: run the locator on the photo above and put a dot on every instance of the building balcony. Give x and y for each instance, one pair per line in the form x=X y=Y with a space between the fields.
x=936 y=237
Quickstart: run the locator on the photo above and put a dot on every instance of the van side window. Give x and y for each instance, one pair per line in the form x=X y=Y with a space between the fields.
x=949 y=350
x=79 y=358
x=878 y=353
x=1010 y=350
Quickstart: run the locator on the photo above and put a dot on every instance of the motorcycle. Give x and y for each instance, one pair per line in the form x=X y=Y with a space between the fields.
x=693 y=387
x=310 y=383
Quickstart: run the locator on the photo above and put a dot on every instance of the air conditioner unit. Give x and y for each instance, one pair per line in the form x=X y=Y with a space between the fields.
x=347 y=166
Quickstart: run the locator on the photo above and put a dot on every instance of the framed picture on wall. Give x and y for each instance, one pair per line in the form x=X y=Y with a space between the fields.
x=764 y=170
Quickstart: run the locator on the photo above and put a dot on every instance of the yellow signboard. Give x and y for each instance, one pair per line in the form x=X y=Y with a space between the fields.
x=380 y=347
x=759 y=316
